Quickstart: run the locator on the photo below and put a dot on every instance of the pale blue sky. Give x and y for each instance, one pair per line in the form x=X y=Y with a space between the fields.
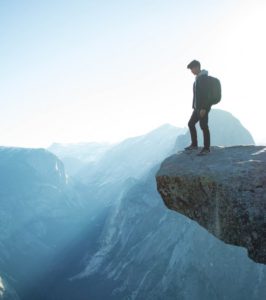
x=75 y=71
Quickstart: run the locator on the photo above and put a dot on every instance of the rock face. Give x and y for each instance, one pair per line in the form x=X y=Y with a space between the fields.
x=39 y=219
x=225 y=192
x=6 y=291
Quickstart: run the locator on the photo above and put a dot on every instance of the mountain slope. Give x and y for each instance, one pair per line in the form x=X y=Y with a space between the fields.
x=58 y=218
x=40 y=215
x=105 y=233
x=148 y=252
x=75 y=156
x=132 y=157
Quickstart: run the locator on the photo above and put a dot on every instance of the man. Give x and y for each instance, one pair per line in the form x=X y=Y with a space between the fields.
x=201 y=108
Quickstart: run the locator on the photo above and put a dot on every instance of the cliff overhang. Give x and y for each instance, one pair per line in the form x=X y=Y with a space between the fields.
x=225 y=192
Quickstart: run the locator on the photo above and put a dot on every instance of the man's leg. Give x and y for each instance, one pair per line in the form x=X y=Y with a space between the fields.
x=205 y=128
x=192 y=128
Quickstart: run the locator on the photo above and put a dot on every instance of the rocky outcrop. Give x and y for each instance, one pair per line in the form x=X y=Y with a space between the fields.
x=225 y=192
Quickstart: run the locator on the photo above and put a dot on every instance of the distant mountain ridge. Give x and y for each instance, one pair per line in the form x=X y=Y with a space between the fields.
x=46 y=216
x=140 y=151
x=145 y=252
x=134 y=156
x=75 y=156
x=103 y=232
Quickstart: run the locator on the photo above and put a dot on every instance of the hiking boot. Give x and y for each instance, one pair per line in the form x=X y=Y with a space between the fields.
x=204 y=151
x=191 y=147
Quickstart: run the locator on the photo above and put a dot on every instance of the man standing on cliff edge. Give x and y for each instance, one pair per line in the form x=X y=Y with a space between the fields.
x=201 y=108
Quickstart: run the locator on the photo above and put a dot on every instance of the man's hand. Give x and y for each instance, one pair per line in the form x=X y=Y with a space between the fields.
x=202 y=113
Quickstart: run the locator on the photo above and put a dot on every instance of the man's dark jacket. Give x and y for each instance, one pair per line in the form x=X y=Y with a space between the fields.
x=200 y=91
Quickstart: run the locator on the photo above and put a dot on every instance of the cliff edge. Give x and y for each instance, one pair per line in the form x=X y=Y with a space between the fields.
x=225 y=192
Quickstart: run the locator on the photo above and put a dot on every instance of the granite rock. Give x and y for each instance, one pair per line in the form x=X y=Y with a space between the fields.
x=224 y=191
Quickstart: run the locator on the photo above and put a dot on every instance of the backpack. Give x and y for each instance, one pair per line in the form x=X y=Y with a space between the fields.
x=214 y=90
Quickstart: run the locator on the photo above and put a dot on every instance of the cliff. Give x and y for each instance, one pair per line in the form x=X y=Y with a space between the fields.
x=225 y=192
x=35 y=210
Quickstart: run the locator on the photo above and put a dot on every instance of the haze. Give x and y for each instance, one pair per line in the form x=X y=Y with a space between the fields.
x=74 y=71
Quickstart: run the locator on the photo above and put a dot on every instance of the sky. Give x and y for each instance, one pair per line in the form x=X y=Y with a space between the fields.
x=81 y=71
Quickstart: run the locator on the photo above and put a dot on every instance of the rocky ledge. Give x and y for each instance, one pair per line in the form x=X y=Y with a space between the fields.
x=225 y=192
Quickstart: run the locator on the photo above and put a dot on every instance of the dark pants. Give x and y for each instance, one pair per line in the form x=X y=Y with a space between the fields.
x=195 y=117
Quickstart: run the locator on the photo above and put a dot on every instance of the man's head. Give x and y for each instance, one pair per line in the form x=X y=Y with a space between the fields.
x=194 y=66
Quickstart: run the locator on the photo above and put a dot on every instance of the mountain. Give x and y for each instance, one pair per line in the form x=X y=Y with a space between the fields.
x=146 y=251
x=51 y=221
x=134 y=156
x=84 y=159
x=75 y=156
x=104 y=179
x=41 y=216
x=103 y=232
